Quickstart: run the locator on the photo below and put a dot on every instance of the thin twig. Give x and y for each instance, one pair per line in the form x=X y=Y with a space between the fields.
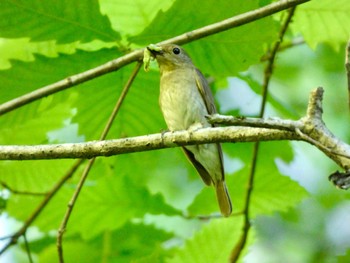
x=71 y=203
x=237 y=250
x=295 y=42
x=27 y=248
x=118 y=63
x=40 y=207
x=319 y=145
x=271 y=123
x=87 y=169
x=14 y=191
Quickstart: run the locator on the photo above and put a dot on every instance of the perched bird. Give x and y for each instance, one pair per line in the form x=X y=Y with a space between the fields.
x=185 y=99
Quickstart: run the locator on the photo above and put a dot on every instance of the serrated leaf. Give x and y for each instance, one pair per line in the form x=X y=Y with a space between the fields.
x=222 y=54
x=138 y=115
x=269 y=187
x=33 y=121
x=118 y=198
x=131 y=17
x=74 y=251
x=213 y=243
x=44 y=71
x=136 y=241
x=131 y=243
x=275 y=192
x=33 y=176
x=32 y=127
x=323 y=21
x=64 y=21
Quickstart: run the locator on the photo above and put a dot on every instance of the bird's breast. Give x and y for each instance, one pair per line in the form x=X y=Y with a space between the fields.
x=180 y=100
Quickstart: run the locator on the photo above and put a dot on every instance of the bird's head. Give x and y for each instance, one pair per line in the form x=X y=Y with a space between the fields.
x=170 y=56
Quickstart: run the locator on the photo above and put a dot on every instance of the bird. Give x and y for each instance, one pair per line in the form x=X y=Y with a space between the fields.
x=185 y=100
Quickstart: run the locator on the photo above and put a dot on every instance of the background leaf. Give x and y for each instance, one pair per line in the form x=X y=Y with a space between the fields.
x=221 y=54
x=144 y=207
x=213 y=238
x=129 y=18
x=58 y=20
x=324 y=21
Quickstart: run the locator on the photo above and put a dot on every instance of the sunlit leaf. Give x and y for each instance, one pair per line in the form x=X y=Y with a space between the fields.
x=212 y=244
x=222 y=54
x=131 y=17
x=324 y=21
x=59 y=20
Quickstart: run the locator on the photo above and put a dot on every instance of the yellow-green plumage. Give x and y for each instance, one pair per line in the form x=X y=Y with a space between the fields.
x=185 y=99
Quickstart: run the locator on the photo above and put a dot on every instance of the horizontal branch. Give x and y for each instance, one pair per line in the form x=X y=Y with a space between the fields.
x=137 y=55
x=310 y=129
x=143 y=143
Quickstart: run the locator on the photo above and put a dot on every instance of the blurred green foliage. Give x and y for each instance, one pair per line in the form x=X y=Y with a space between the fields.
x=143 y=207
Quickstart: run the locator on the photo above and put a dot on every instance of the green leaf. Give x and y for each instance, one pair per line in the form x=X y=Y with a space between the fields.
x=281 y=107
x=152 y=187
x=32 y=126
x=269 y=189
x=131 y=243
x=270 y=193
x=116 y=197
x=64 y=21
x=33 y=176
x=32 y=122
x=213 y=243
x=323 y=21
x=138 y=115
x=74 y=251
x=44 y=71
x=131 y=17
x=344 y=258
x=21 y=207
x=222 y=54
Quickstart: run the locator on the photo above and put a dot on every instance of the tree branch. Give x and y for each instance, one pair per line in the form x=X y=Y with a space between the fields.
x=137 y=55
x=143 y=143
x=271 y=129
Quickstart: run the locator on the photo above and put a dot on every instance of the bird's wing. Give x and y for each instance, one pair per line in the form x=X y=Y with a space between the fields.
x=199 y=167
x=204 y=90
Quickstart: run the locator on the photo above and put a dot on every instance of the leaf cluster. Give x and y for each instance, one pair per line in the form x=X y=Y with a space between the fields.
x=141 y=207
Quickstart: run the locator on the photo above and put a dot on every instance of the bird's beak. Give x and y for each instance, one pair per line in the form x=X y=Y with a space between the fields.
x=155 y=50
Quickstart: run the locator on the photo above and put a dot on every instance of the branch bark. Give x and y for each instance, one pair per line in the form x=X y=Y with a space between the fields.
x=92 y=149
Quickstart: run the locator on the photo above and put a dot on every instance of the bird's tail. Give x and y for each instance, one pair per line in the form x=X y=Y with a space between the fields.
x=223 y=198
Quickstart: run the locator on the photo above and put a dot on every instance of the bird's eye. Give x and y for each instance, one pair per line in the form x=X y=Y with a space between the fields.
x=176 y=50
